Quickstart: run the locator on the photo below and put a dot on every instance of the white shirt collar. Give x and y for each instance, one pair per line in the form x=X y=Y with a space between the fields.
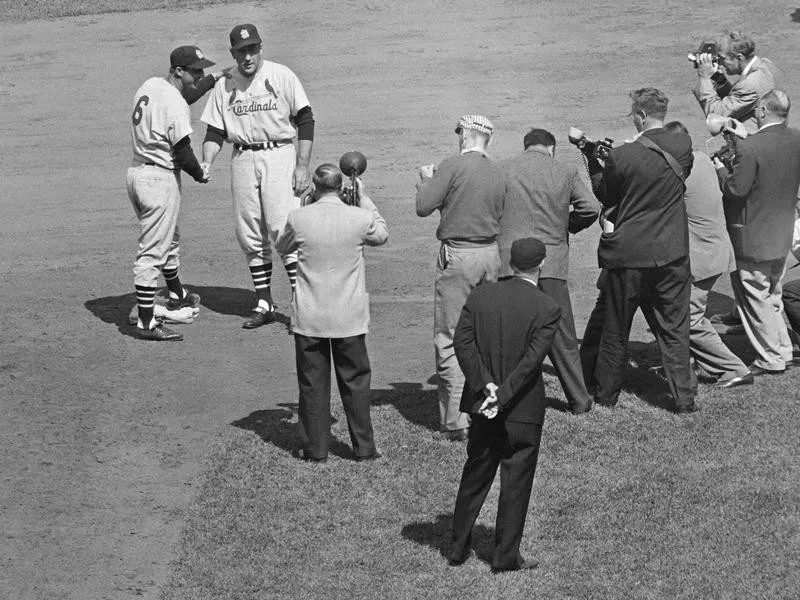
x=528 y=279
x=478 y=150
x=749 y=66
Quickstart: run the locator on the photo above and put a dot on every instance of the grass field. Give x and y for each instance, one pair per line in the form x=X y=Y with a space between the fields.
x=133 y=469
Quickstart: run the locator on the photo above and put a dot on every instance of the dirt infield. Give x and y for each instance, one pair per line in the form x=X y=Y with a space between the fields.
x=104 y=435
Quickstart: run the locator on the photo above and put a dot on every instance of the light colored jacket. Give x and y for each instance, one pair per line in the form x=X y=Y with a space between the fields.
x=738 y=100
x=710 y=249
x=331 y=300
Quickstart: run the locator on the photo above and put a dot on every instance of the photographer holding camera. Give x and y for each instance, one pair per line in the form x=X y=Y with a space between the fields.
x=735 y=55
x=646 y=257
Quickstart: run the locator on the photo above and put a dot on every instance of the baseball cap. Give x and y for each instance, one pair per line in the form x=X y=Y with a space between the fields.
x=476 y=122
x=244 y=35
x=527 y=253
x=188 y=57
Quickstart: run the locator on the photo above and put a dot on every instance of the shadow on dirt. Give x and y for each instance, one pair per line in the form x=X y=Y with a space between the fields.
x=278 y=427
x=227 y=300
x=114 y=310
x=437 y=535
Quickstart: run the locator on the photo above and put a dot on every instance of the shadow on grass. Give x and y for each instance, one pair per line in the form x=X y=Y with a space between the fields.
x=278 y=426
x=415 y=404
x=437 y=535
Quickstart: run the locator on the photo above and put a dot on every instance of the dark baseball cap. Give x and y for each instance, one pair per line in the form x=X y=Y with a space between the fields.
x=189 y=57
x=244 y=35
x=527 y=253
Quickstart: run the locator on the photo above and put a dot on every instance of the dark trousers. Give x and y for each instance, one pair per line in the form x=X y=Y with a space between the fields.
x=791 y=304
x=663 y=294
x=514 y=447
x=590 y=343
x=353 y=375
x=564 y=352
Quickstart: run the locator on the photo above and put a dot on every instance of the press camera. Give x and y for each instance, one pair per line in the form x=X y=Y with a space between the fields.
x=597 y=149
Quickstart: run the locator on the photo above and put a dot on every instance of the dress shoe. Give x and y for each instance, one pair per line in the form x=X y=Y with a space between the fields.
x=686 y=409
x=159 y=333
x=259 y=318
x=729 y=318
x=374 y=456
x=301 y=454
x=745 y=379
x=757 y=371
x=455 y=435
x=457 y=561
x=522 y=566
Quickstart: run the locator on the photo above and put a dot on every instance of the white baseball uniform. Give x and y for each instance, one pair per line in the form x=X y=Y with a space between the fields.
x=160 y=119
x=256 y=114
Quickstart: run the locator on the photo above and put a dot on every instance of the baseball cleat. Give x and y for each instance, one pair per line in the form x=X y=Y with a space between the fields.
x=160 y=333
x=190 y=300
x=259 y=318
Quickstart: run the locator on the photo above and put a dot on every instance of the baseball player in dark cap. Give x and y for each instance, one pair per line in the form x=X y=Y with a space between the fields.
x=160 y=129
x=504 y=333
x=261 y=108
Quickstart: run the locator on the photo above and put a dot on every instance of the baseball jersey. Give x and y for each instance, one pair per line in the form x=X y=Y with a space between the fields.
x=257 y=109
x=160 y=119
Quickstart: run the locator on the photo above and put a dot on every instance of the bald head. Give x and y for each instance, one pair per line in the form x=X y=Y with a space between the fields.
x=775 y=103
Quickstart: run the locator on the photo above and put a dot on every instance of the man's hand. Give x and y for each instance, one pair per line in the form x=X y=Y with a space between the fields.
x=226 y=73
x=489 y=408
x=206 y=172
x=301 y=178
x=706 y=66
x=718 y=164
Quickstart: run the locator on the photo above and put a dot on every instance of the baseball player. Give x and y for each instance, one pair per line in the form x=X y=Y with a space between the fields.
x=160 y=129
x=260 y=108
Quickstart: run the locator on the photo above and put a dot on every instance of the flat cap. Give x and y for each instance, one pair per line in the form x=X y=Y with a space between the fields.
x=527 y=254
x=476 y=122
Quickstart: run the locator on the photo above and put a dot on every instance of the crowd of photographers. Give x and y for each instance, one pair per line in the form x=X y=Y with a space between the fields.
x=674 y=221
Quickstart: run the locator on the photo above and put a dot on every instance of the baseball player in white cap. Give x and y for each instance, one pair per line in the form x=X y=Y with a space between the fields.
x=160 y=129
x=261 y=108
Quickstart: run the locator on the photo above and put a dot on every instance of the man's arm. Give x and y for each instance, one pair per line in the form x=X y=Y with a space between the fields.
x=304 y=121
x=538 y=347
x=465 y=344
x=194 y=93
x=378 y=232
x=608 y=185
x=212 y=144
x=585 y=205
x=737 y=184
x=186 y=160
x=725 y=100
x=432 y=191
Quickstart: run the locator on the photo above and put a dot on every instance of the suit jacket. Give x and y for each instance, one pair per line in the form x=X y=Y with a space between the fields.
x=738 y=100
x=760 y=194
x=504 y=332
x=651 y=227
x=329 y=236
x=541 y=191
x=710 y=249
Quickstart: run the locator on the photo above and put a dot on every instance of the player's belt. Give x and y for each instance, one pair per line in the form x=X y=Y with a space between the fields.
x=268 y=145
x=152 y=164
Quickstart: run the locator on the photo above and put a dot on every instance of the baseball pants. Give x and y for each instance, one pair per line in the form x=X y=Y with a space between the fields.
x=757 y=289
x=155 y=194
x=459 y=269
x=261 y=186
